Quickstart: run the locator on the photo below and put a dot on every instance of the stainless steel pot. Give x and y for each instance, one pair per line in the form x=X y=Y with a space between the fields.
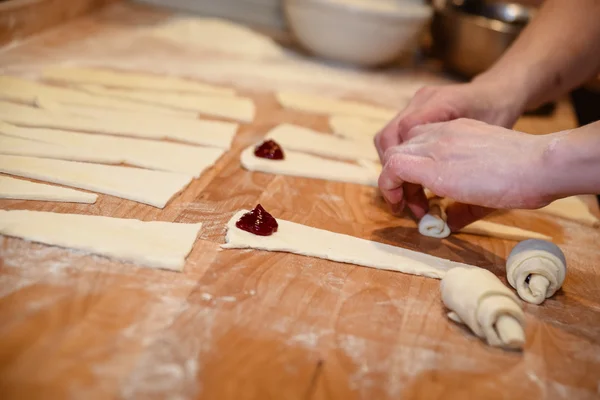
x=469 y=36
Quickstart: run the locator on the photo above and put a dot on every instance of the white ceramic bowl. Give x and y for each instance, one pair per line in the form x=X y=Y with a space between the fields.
x=360 y=32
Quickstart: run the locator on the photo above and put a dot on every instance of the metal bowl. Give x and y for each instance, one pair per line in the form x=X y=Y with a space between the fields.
x=470 y=36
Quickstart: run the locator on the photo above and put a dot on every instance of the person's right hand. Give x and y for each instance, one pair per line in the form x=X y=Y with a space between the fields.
x=479 y=100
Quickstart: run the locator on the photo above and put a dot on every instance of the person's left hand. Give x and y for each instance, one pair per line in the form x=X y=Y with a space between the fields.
x=473 y=163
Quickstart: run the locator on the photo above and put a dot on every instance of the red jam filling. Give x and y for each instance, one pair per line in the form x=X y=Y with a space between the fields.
x=258 y=222
x=269 y=149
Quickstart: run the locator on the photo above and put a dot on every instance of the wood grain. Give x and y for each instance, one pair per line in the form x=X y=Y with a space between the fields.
x=242 y=324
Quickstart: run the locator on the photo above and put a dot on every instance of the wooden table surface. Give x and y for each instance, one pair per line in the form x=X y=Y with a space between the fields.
x=259 y=325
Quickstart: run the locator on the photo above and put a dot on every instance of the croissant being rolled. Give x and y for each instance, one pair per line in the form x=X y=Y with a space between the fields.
x=478 y=299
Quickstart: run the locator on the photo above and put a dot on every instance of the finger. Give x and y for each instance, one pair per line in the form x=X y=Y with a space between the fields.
x=394 y=132
x=416 y=200
x=461 y=215
x=400 y=168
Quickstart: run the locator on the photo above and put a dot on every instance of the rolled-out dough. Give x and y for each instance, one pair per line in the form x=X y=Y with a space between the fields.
x=308 y=241
x=230 y=107
x=486 y=228
x=153 y=244
x=21 y=90
x=356 y=128
x=131 y=80
x=479 y=300
x=154 y=188
x=151 y=154
x=17 y=189
x=294 y=137
x=209 y=133
x=324 y=105
x=308 y=166
x=572 y=208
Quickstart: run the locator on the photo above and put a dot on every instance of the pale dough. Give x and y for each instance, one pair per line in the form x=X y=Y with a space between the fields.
x=151 y=154
x=537 y=269
x=153 y=244
x=154 y=188
x=308 y=241
x=302 y=139
x=230 y=107
x=130 y=80
x=478 y=299
x=486 y=228
x=20 y=90
x=210 y=133
x=360 y=129
x=308 y=166
x=324 y=105
x=11 y=188
x=572 y=208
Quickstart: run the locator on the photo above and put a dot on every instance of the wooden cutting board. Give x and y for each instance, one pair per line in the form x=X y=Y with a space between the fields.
x=258 y=325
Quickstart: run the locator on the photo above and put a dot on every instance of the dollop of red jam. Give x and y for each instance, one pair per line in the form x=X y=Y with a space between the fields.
x=258 y=222
x=269 y=149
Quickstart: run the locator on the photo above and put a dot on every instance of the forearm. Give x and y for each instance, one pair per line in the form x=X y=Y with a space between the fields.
x=558 y=51
x=571 y=162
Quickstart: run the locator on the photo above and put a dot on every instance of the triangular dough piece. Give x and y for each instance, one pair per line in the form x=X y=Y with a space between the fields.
x=210 y=133
x=326 y=105
x=49 y=143
x=294 y=137
x=486 y=228
x=153 y=244
x=154 y=188
x=230 y=107
x=572 y=208
x=308 y=166
x=308 y=241
x=21 y=90
x=131 y=80
x=17 y=189
x=356 y=128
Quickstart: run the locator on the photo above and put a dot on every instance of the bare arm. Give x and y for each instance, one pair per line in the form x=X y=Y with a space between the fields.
x=558 y=51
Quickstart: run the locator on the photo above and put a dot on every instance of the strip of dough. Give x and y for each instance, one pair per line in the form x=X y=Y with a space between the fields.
x=130 y=80
x=325 y=105
x=153 y=244
x=307 y=166
x=230 y=107
x=158 y=155
x=21 y=90
x=210 y=133
x=308 y=241
x=11 y=188
x=356 y=128
x=572 y=208
x=298 y=138
x=154 y=188
x=479 y=300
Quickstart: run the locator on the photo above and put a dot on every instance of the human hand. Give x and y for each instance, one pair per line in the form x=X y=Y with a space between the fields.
x=480 y=100
x=481 y=165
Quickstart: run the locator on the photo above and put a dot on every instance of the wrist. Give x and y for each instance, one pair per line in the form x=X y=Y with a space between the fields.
x=507 y=97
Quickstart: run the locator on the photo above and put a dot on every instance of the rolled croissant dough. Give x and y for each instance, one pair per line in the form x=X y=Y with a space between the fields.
x=231 y=107
x=210 y=133
x=305 y=240
x=154 y=188
x=308 y=166
x=50 y=143
x=130 y=80
x=153 y=244
x=323 y=105
x=11 y=188
x=294 y=137
x=478 y=299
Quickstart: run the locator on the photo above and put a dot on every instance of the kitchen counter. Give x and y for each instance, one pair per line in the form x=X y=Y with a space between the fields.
x=259 y=325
